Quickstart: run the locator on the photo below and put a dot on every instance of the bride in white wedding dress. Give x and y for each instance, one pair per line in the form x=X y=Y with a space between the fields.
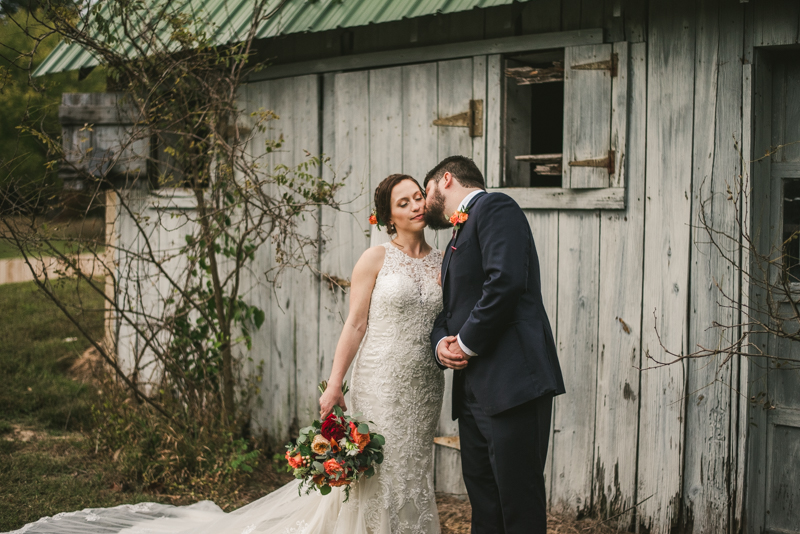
x=394 y=299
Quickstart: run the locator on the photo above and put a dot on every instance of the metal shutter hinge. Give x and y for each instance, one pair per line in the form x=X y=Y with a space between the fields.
x=472 y=119
x=609 y=65
x=608 y=162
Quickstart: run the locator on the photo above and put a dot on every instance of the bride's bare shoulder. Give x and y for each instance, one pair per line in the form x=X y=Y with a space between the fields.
x=371 y=261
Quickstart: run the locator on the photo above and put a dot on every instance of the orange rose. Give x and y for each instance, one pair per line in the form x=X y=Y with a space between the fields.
x=332 y=467
x=373 y=219
x=462 y=217
x=294 y=461
x=362 y=440
x=454 y=219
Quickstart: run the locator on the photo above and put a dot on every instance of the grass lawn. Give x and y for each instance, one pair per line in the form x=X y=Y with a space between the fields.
x=8 y=251
x=47 y=464
x=64 y=235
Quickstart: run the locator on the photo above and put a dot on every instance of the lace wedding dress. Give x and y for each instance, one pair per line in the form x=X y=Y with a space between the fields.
x=395 y=384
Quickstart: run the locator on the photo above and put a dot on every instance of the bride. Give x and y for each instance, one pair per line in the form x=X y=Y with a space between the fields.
x=396 y=384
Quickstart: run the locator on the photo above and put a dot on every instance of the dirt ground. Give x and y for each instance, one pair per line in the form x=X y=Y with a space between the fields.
x=455 y=515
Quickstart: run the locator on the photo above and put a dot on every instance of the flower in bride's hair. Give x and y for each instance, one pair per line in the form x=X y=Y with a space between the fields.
x=373 y=219
x=333 y=467
x=320 y=445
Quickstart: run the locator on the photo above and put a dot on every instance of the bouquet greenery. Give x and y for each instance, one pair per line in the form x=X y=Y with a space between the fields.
x=335 y=452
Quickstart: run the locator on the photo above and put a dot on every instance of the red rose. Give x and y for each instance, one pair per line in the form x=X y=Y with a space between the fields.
x=332 y=429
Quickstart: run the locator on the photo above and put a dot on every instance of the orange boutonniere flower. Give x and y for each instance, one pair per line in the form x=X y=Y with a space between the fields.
x=459 y=217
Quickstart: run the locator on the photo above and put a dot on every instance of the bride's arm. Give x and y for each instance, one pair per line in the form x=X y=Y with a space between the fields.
x=361 y=284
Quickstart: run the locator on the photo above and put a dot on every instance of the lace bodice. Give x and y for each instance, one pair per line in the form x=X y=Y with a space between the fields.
x=406 y=294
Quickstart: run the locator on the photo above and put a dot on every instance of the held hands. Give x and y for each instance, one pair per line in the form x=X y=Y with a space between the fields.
x=451 y=355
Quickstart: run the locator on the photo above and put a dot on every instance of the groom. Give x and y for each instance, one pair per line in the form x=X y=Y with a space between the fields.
x=494 y=333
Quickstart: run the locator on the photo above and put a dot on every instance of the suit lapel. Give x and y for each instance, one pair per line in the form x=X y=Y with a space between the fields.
x=446 y=263
x=448 y=254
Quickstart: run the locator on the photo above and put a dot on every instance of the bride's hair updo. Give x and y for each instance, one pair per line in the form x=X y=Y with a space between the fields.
x=383 y=198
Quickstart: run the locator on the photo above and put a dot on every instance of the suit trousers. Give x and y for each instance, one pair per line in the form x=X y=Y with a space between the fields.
x=502 y=459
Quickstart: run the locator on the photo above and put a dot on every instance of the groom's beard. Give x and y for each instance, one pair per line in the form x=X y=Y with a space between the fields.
x=434 y=212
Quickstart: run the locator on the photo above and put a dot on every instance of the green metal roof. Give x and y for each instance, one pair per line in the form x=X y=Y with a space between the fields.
x=228 y=20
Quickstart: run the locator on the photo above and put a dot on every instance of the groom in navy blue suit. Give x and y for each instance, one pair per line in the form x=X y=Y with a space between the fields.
x=494 y=333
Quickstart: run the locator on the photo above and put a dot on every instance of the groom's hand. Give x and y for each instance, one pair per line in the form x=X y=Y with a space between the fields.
x=449 y=357
x=455 y=348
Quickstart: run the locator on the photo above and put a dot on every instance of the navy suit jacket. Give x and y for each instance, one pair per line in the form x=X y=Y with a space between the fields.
x=493 y=300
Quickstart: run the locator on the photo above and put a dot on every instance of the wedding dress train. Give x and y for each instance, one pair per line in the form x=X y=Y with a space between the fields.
x=395 y=384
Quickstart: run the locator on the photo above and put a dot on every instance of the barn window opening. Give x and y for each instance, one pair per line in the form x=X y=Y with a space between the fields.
x=534 y=119
x=791 y=228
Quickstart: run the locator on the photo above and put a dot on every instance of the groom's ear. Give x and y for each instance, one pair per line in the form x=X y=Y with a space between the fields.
x=447 y=180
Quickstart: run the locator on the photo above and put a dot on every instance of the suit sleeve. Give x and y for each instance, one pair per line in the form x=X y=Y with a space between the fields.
x=503 y=235
x=439 y=332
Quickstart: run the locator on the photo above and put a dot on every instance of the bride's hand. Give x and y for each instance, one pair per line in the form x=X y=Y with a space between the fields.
x=332 y=397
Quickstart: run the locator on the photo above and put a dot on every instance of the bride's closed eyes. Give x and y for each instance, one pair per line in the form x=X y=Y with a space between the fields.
x=403 y=202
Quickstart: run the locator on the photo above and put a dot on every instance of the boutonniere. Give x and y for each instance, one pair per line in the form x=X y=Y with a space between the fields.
x=458 y=218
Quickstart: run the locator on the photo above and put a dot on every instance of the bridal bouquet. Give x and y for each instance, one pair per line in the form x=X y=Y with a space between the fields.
x=335 y=452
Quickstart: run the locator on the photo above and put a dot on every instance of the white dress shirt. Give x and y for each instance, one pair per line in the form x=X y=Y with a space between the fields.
x=467 y=351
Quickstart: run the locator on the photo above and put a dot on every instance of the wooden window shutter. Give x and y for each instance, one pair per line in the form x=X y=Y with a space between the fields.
x=591 y=158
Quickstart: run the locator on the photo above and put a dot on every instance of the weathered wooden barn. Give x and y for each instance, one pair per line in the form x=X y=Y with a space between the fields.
x=645 y=110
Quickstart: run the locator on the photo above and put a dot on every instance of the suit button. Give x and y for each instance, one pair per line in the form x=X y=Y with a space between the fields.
x=449 y=315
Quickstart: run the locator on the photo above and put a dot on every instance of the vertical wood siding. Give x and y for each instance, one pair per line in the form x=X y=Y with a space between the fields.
x=709 y=450
x=620 y=318
x=671 y=42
